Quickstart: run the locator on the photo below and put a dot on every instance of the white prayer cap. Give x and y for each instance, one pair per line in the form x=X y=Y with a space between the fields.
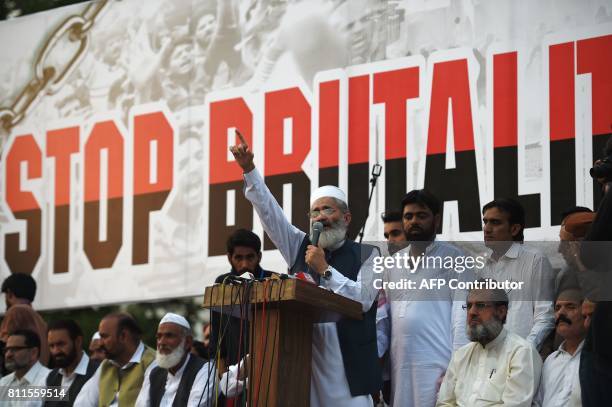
x=96 y=336
x=328 y=191
x=175 y=319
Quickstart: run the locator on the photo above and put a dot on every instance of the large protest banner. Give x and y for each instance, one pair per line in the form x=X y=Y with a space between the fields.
x=116 y=180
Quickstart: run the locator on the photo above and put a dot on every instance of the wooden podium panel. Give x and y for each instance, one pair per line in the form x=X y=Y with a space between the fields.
x=281 y=315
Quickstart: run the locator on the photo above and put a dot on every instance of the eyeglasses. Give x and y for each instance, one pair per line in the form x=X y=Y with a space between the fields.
x=315 y=214
x=480 y=306
x=14 y=349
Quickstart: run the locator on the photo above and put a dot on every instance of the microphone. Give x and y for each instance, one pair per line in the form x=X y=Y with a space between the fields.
x=317 y=228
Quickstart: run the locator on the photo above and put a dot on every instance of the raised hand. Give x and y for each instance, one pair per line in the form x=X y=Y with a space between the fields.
x=242 y=154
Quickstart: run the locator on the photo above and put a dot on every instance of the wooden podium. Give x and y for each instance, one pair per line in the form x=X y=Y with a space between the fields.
x=281 y=315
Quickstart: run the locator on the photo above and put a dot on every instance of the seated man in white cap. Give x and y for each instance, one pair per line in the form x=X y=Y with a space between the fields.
x=96 y=351
x=180 y=378
x=345 y=367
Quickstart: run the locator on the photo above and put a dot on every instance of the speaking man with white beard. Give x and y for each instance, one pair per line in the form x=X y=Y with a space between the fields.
x=345 y=367
x=498 y=367
x=180 y=378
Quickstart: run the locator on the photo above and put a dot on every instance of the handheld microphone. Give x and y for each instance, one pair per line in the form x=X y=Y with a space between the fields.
x=317 y=228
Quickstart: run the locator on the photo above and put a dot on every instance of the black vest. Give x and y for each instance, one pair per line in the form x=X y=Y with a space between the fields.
x=357 y=337
x=158 y=377
x=55 y=379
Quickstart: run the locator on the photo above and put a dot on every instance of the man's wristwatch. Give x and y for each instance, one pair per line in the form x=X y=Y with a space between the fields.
x=327 y=273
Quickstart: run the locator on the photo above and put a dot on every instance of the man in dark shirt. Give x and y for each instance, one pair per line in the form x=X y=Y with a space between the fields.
x=244 y=255
x=72 y=366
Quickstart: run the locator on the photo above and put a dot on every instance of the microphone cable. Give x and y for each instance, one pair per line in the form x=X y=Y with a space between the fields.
x=278 y=306
x=245 y=288
x=263 y=336
x=223 y=328
x=248 y=397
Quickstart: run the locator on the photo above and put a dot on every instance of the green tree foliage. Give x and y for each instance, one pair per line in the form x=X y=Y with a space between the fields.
x=148 y=316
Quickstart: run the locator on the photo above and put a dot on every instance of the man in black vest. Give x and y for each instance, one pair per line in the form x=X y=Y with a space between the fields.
x=72 y=366
x=180 y=378
x=345 y=367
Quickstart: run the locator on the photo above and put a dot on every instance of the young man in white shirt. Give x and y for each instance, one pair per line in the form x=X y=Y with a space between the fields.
x=498 y=367
x=560 y=385
x=21 y=356
x=530 y=314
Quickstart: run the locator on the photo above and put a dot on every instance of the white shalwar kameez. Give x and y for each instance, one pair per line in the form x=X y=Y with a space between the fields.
x=426 y=326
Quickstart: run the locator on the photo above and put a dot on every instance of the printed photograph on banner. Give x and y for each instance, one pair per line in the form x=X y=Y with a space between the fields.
x=116 y=183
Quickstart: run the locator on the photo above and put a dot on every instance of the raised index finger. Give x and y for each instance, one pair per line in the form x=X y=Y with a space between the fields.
x=241 y=137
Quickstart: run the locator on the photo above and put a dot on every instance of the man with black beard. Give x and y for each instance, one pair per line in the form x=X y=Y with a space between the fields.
x=345 y=366
x=497 y=367
x=420 y=348
x=72 y=366
x=180 y=378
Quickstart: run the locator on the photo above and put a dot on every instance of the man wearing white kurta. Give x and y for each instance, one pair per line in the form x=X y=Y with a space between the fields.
x=498 y=367
x=330 y=382
x=426 y=325
x=560 y=386
x=531 y=309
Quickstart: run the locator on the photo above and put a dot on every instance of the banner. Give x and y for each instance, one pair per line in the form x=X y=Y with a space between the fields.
x=116 y=180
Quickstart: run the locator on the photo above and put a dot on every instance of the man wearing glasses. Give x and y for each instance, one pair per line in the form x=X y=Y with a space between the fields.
x=21 y=357
x=497 y=367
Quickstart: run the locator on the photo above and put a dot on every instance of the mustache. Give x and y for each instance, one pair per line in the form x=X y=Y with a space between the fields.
x=563 y=318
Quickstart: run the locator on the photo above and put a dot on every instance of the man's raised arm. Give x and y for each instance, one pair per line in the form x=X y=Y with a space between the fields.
x=283 y=234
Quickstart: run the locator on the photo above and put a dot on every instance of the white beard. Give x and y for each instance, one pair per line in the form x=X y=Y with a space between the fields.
x=486 y=330
x=173 y=358
x=332 y=236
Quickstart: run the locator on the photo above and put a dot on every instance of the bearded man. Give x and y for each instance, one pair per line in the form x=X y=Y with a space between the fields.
x=420 y=348
x=497 y=367
x=345 y=367
x=21 y=357
x=72 y=366
x=180 y=378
